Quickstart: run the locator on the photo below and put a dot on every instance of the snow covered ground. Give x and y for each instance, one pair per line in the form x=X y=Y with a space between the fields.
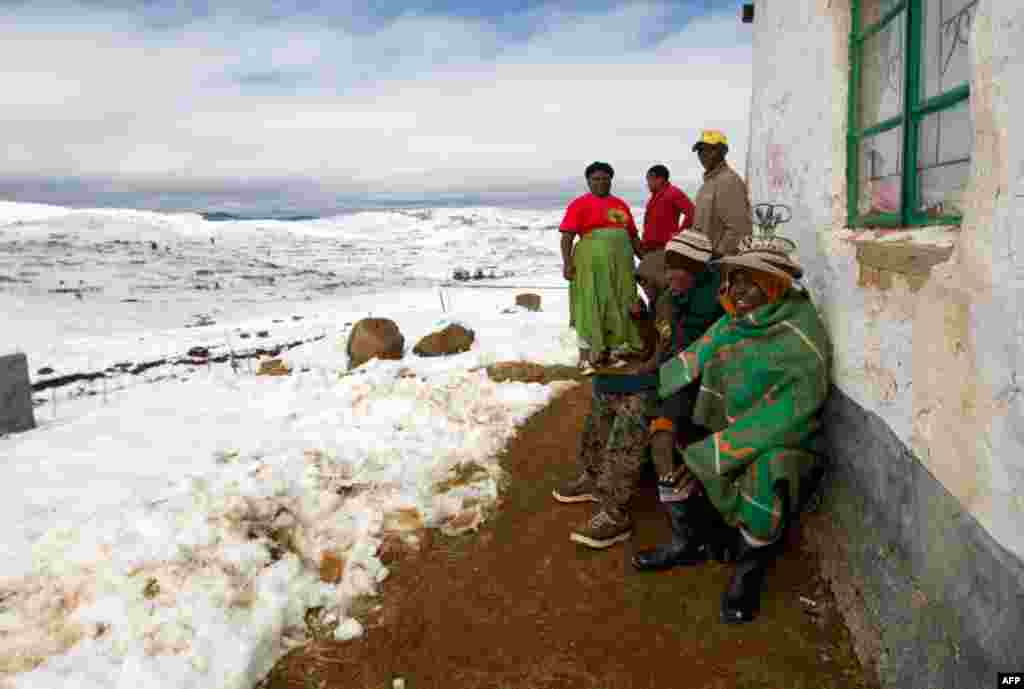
x=172 y=528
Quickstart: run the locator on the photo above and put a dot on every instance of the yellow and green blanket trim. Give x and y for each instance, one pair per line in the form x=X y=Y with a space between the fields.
x=764 y=379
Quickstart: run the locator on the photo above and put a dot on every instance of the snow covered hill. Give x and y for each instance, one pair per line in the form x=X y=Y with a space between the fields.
x=169 y=529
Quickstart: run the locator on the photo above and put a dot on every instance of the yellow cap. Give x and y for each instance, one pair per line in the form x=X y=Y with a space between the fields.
x=711 y=137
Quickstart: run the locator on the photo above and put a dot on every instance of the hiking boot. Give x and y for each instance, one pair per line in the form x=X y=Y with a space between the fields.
x=603 y=530
x=580 y=489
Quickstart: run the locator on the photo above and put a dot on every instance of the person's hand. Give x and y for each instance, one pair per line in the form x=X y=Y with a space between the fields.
x=679 y=478
x=569 y=271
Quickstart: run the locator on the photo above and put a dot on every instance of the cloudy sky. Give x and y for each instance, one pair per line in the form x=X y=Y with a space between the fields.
x=170 y=103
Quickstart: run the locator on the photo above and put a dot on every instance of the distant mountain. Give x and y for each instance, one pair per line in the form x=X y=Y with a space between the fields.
x=221 y=216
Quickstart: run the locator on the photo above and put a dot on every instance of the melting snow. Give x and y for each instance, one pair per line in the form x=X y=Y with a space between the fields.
x=174 y=530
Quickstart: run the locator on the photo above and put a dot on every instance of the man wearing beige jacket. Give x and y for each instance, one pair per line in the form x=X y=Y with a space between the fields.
x=723 y=202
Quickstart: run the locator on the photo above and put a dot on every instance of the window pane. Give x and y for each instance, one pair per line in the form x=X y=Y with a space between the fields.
x=881 y=73
x=872 y=11
x=944 y=152
x=946 y=136
x=881 y=173
x=945 y=60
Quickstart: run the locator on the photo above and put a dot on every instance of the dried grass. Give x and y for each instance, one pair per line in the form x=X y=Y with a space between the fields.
x=462 y=474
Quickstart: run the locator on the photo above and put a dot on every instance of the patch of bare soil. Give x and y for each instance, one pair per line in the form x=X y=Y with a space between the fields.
x=519 y=606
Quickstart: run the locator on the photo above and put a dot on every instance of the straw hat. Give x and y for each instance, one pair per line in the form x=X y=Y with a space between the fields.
x=692 y=244
x=652 y=267
x=768 y=253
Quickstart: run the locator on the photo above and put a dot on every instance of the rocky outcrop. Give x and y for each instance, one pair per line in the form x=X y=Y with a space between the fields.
x=273 y=367
x=528 y=300
x=452 y=340
x=332 y=567
x=374 y=338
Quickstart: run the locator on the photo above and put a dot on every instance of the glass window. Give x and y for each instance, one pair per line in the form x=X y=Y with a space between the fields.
x=881 y=171
x=881 y=82
x=944 y=159
x=945 y=60
x=911 y=134
x=872 y=11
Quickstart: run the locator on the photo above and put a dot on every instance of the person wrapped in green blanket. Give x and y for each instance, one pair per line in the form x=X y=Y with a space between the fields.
x=619 y=428
x=764 y=375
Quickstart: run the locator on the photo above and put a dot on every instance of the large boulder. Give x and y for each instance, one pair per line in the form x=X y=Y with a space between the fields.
x=528 y=300
x=273 y=367
x=452 y=340
x=374 y=338
x=332 y=567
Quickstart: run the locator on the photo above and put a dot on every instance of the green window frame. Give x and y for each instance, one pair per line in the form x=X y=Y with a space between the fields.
x=906 y=16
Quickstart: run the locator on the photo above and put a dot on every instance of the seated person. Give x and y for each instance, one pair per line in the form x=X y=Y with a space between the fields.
x=616 y=433
x=764 y=372
x=650 y=278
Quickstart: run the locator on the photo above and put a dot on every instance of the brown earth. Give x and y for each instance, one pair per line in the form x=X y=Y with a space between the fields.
x=519 y=606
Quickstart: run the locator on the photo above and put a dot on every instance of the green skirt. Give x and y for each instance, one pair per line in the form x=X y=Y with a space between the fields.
x=602 y=292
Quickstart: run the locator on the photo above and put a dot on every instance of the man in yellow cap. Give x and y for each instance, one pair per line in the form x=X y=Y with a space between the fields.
x=723 y=202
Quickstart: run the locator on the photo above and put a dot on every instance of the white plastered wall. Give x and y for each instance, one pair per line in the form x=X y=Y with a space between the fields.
x=940 y=360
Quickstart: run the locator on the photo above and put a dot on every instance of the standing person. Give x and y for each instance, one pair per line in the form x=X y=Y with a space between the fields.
x=667 y=203
x=723 y=202
x=600 y=270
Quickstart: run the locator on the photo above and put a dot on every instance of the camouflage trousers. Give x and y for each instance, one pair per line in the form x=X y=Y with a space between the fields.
x=612 y=447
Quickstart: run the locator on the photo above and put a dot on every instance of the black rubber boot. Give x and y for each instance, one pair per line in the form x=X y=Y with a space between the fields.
x=742 y=600
x=722 y=539
x=687 y=547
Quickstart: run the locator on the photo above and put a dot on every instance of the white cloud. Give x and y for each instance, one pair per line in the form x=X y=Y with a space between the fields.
x=425 y=104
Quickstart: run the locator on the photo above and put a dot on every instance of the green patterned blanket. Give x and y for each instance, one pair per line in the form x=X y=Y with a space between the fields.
x=764 y=379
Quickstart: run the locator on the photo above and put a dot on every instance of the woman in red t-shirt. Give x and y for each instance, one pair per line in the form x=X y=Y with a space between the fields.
x=600 y=270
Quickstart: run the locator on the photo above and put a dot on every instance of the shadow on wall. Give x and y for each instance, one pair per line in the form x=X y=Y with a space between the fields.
x=931 y=599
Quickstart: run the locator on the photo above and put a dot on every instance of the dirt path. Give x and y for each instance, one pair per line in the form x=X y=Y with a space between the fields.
x=519 y=606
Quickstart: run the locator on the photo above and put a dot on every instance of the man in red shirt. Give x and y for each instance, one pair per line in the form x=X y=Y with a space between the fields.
x=667 y=203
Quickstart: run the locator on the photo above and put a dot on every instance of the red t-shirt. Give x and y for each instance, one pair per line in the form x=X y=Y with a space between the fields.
x=590 y=212
x=661 y=220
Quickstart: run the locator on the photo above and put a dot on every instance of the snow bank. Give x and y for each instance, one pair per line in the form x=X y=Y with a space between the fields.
x=209 y=585
x=180 y=529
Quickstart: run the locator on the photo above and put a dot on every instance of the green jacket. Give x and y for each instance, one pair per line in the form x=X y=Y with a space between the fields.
x=691 y=312
x=680 y=319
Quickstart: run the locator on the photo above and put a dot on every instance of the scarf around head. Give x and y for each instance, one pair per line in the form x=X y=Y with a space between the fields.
x=774 y=286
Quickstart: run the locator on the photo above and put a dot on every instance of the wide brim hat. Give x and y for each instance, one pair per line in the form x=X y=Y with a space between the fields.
x=652 y=266
x=773 y=255
x=692 y=244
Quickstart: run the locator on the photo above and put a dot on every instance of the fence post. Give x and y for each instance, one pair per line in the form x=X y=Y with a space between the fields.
x=16 y=413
